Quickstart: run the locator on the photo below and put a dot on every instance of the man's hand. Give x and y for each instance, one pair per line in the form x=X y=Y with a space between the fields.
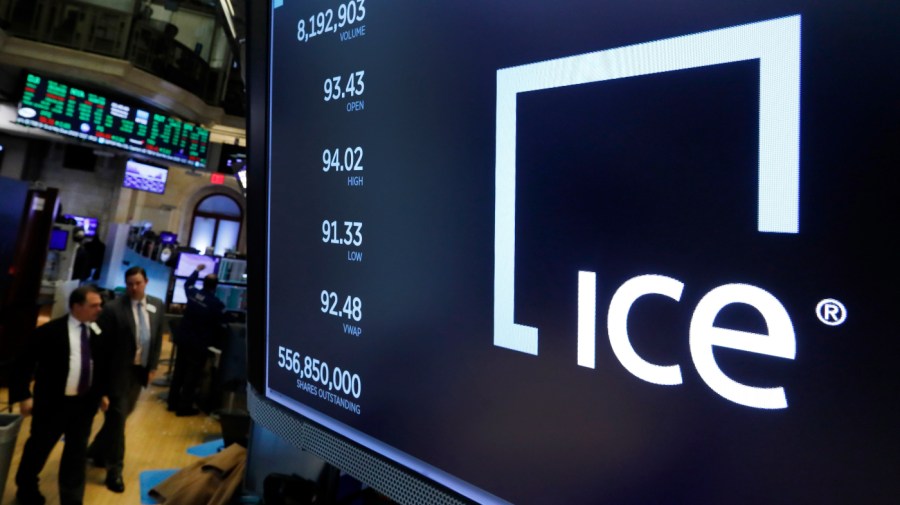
x=151 y=376
x=25 y=406
x=104 y=403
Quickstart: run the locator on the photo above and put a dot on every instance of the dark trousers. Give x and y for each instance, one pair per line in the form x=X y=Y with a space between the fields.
x=71 y=416
x=109 y=443
x=189 y=367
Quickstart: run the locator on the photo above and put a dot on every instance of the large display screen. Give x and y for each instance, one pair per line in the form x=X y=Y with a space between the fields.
x=144 y=177
x=589 y=251
x=89 y=115
x=88 y=224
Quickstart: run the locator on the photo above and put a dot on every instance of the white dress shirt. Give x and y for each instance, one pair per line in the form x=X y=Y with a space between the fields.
x=137 y=326
x=75 y=356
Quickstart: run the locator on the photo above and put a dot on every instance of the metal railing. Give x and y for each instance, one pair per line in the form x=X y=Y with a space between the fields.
x=148 y=44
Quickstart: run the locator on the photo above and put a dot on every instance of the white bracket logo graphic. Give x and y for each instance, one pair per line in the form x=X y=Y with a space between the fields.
x=775 y=43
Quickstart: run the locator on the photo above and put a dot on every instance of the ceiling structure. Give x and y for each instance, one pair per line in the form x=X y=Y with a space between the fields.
x=121 y=76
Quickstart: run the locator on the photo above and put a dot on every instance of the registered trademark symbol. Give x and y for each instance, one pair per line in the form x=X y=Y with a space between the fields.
x=831 y=312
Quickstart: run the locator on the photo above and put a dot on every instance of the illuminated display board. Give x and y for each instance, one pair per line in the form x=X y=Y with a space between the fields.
x=77 y=112
x=587 y=251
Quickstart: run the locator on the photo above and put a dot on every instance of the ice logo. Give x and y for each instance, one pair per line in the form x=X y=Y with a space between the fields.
x=776 y=44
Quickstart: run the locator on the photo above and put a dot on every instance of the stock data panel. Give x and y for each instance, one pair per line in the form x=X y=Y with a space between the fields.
x=88 y=115
x=553 y=252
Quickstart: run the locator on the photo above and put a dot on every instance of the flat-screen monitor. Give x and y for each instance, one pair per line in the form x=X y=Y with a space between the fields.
x=145 y=177
x=59 y=239
x=233 y=271
x=92 y=115
x=178 y=294
x=188 y=262
x=581 y=251
x=167 y=237
x=234 y=297
x=88 y=224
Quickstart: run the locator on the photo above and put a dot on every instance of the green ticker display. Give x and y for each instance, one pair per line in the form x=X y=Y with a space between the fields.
x=76 y=112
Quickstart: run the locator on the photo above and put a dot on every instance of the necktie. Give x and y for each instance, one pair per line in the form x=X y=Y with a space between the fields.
x=144 y=334
x=84 y=379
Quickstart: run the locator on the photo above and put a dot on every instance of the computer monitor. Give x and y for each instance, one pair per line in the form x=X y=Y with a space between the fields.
x=188 y=262
x=59 y=239
x=234 y=297
x=178 y=294
x=233 y=271
x=167 y=237
x=579 y=251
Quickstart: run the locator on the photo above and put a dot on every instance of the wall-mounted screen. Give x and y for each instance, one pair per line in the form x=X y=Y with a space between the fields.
x=88 y=224
x=145 y=177
x=91 y=115
x=188 y=262
x=232 y=159
x=585 y=251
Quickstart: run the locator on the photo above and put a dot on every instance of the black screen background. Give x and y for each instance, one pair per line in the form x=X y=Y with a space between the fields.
x=653 y=174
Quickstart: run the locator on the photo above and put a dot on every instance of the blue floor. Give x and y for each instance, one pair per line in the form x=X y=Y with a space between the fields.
x=207 y=449
x=150 y=479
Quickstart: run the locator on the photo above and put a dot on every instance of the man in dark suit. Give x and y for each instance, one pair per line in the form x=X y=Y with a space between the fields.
x=133 y=326
x=200 y=328
x=66 y=359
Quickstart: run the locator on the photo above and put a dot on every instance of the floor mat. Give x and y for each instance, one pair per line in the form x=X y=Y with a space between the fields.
x=149 y=480
x=206 y=449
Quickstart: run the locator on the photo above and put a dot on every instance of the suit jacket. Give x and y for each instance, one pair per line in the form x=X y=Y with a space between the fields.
x=119 y=331
x=204 y=316
x=212 y=480
x=46 y=358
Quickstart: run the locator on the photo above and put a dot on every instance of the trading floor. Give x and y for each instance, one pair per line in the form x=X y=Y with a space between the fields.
x=155 y=440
